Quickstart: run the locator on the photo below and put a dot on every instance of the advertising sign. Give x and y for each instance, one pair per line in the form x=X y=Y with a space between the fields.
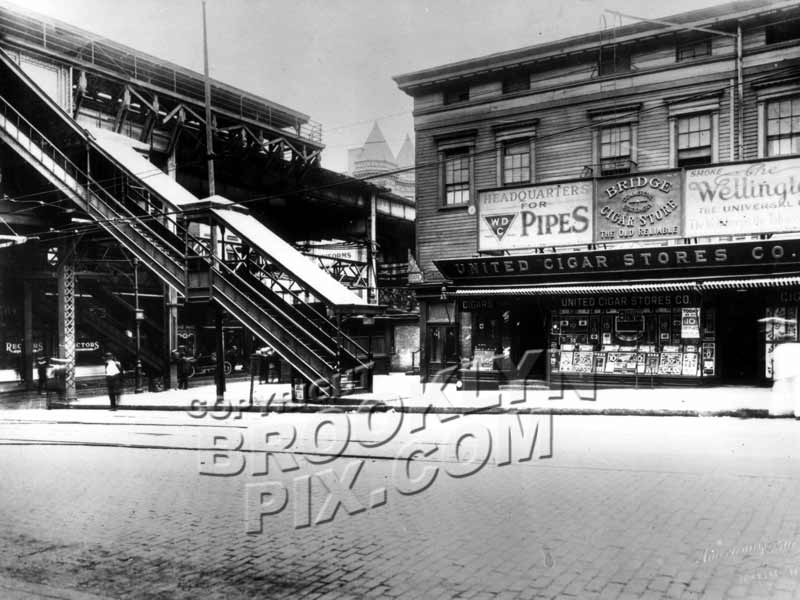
x=690 y=323
x=556 y=214
x=638 y=207
x=761 y=197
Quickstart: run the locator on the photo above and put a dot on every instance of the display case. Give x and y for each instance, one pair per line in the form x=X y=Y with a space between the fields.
x=675 y=342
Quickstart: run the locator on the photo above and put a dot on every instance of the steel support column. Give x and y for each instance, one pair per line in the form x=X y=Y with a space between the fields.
x=66 y=316
x=27 y=335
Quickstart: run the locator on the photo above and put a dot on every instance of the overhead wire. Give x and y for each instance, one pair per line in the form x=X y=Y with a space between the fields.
x=349 y=179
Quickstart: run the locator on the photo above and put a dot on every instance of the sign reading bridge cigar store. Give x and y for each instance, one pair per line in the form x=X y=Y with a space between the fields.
x=639 y=207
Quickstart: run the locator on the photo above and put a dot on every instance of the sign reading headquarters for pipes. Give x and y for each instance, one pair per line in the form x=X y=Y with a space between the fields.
x=557 y=214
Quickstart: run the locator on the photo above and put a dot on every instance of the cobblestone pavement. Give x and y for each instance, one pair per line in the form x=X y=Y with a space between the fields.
x=627 y=507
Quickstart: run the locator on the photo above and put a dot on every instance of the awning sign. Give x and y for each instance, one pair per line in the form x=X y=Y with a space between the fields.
x=557 y=214
x=639 y=207
x=762 y=197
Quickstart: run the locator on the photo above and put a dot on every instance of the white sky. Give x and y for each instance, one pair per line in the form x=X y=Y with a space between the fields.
x=334 y=59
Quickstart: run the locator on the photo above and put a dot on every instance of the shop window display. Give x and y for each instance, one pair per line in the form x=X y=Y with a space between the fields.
x=780 y=326
x=670 y=342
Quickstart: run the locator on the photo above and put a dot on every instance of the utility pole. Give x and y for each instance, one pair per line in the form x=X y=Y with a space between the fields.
x=209 y=124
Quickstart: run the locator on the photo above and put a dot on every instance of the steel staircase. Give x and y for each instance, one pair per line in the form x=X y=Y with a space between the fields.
x=131 y=231
x=152 y=229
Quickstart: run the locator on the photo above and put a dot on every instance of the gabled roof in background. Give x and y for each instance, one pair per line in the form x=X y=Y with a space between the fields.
x=405 y=158
x=376 y=148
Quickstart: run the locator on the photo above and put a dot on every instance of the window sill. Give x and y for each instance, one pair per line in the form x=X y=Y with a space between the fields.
x=454 y=208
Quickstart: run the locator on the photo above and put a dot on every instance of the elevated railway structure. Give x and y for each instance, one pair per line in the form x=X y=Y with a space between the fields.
x=111 y=242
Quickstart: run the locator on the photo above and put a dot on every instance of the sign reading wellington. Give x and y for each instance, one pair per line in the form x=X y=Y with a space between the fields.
x=556 y=214
x=639 y=207
x=762 y=197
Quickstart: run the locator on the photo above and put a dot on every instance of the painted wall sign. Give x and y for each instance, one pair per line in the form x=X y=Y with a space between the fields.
x=556 y=214
x=762 y=197
x=720 y=259
x=638 y=207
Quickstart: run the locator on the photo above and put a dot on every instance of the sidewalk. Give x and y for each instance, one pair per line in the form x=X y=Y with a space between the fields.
x=402 y=392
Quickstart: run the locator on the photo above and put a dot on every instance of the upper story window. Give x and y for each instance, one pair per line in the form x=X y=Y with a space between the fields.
x=694 y=140
x=456 y=94
x=516 y=161
x=518 y=82
x=785 y=31
x=693 y=130
x=515 y=145
x=614 y=59
x=457 y=175
x=783 y=126
x=615 y=150
x=691 y=48
x=615 y=131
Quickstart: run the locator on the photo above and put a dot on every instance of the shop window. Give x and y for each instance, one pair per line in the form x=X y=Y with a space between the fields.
x=694 y=140
x=457 y=176
x=516 y=161
x=614 y=60
x=783 y=126
x=519 y=82
x=615 y=150
x=785 y=31
x=455 y=95
x=692 y=48
x=655 y=341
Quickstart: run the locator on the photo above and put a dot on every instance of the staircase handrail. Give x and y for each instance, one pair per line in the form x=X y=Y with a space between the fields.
x=71 y=169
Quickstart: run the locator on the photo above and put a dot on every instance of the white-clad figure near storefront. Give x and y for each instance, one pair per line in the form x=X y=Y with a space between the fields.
x=786 y=380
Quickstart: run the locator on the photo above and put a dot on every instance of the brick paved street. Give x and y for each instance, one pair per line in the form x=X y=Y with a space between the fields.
x=627 y=507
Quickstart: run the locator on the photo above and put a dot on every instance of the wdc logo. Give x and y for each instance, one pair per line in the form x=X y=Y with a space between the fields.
x=500 y=224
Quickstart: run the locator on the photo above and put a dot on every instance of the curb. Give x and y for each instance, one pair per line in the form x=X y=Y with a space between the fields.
x=743 y=413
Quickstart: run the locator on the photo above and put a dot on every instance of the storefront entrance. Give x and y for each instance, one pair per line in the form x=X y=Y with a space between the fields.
x=530 y=346
x=741 y=360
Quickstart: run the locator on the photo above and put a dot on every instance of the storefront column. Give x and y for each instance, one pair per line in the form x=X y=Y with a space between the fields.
x=423 y=338
x=27 y=336
x=66 y=317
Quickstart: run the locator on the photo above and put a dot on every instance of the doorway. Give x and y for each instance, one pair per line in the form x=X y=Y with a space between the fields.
x=740 y=344
x=532 y=335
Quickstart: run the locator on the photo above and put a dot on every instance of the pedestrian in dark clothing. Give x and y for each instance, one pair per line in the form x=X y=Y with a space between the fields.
x=113 y=378
x=184 y=363
x=41 y=371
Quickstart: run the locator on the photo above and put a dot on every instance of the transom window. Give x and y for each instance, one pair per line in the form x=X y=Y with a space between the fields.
x=785 y=31
x=783 y=126
x=690 y=49
x=456 y=177
x=454 y=95
x=517 y=161
x=615 y=150
x=614 y=60
x=694 y=140
x=519 y=82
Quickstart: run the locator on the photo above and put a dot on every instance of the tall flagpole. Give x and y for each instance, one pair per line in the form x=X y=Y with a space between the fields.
x=209 y=124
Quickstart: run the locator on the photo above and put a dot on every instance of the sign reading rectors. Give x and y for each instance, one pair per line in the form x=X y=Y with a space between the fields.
x=556 y=214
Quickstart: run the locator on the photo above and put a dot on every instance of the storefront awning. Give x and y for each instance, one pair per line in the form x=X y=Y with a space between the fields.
x=744 y=284
x=559 y=290
x=633 y=287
